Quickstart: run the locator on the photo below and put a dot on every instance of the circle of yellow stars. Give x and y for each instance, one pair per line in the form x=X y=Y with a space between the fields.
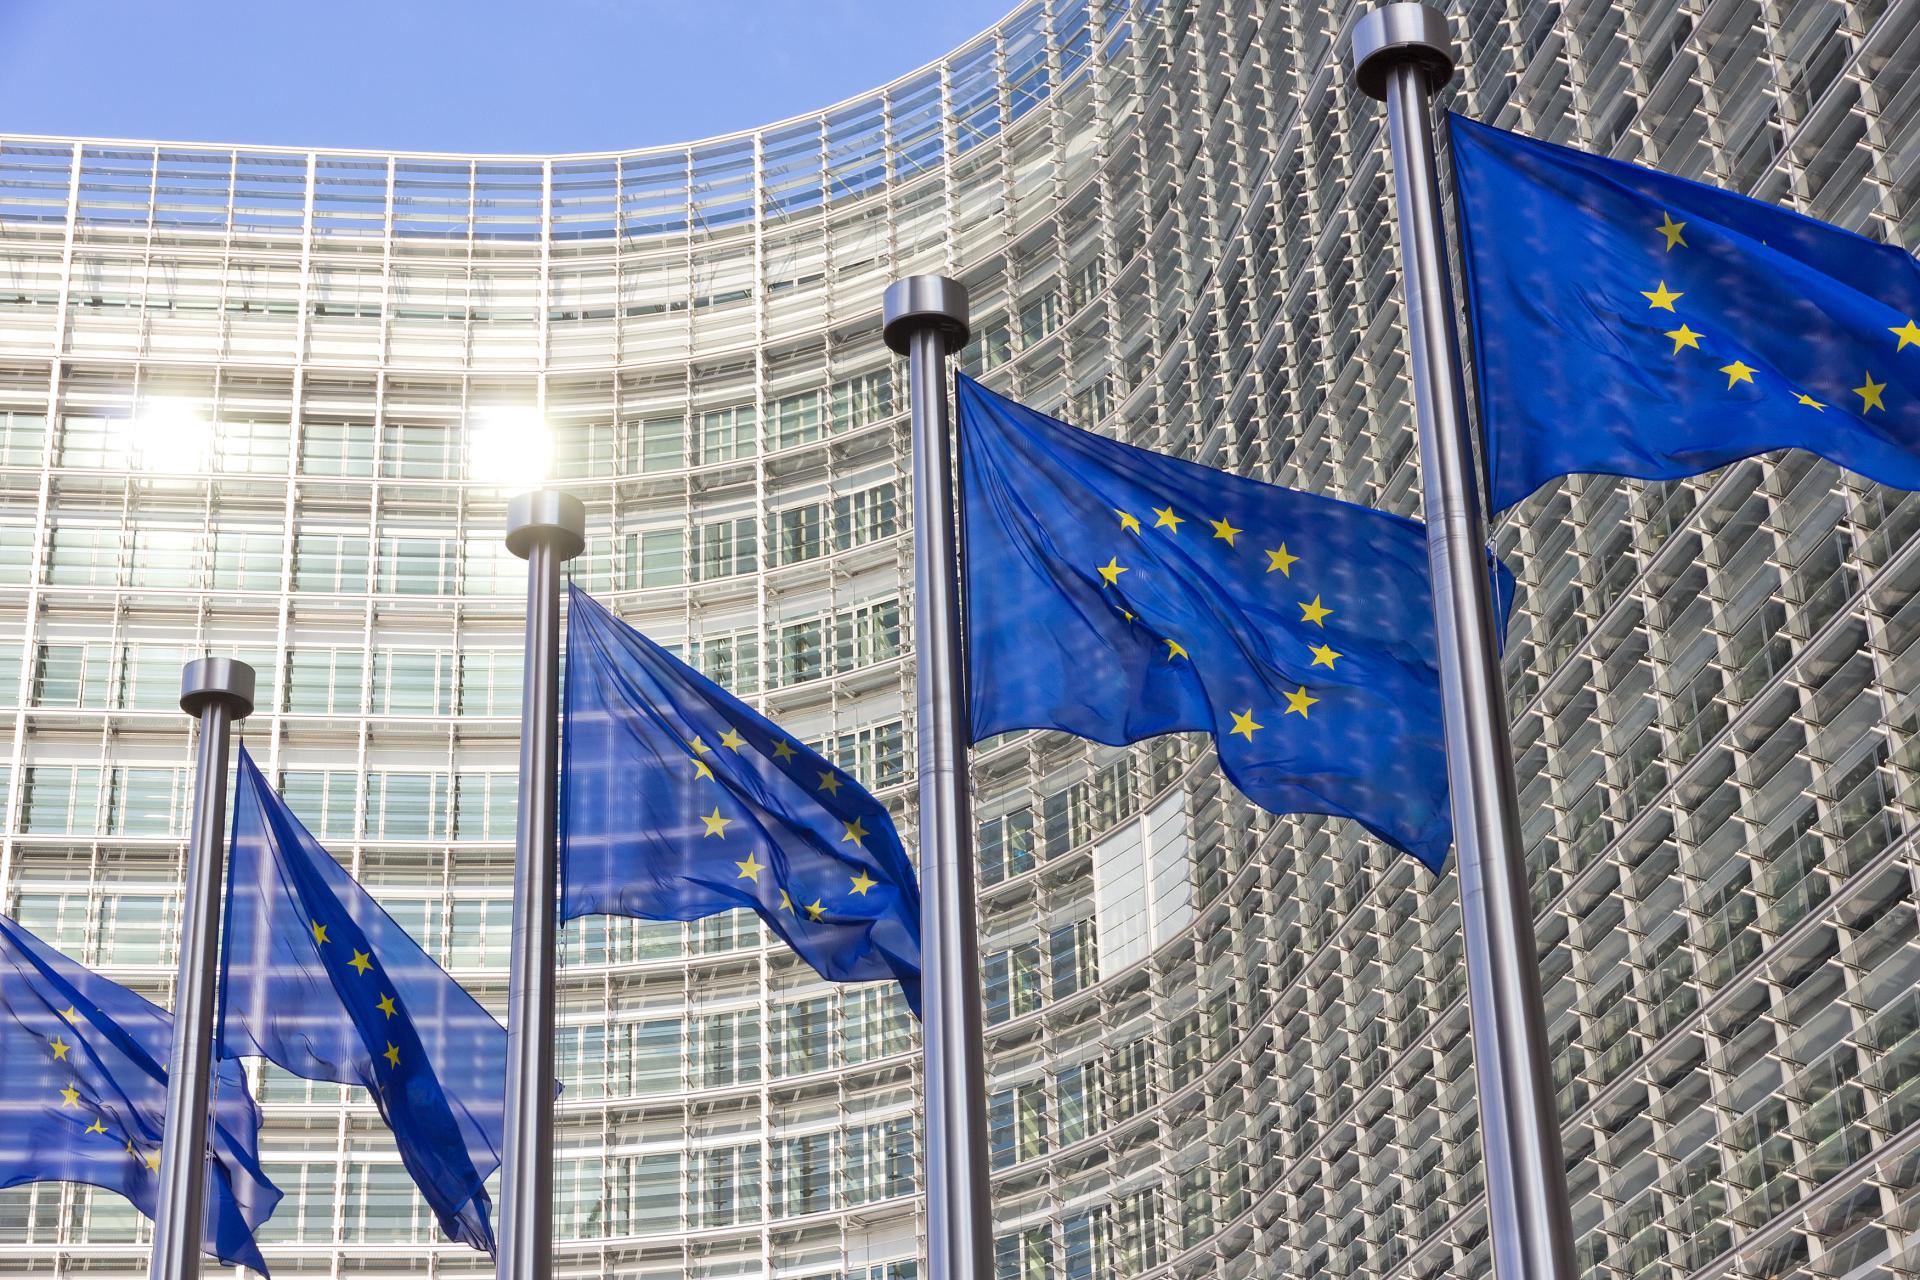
x=1871 y=391
x=1280 y=560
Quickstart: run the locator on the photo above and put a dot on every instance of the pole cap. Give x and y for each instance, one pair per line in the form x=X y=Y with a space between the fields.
x=1398 y=33
x=919 y=302
x=208 y=680
x=546 y=516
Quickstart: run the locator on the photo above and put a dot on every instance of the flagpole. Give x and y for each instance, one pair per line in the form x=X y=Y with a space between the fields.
x=545 y=529
x=925 y=319
x=1402 y=54
x=217 y=691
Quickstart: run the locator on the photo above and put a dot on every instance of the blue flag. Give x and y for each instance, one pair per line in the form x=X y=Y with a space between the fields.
x=1117 y=594
x=678 y=801
x=317 y=978
x=83 y=1096
x=1632 y=323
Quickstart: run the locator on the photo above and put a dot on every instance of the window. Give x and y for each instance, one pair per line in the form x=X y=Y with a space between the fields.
x=323 y=800
x=23 y=437
x=72 y=675
x=728 y=1182
x=802 y=1031
x=490 y=681
x=250 y=446
x=796 y=419
x=661 y=557
x=797 y=534
x=146 y=802
x=1064 y=819
x=149 y=677
x=1024 y=1255
x=657 y=1055
x=245 y=561
x=579 y=1205
x=1070 y=958
x=330 y=562
x=646 y=1193
x=324 y=681
x=865 y=635
x=727 y=434
x=336 y=449
x=863 y=399
x=485 y=806
x=662 y=444
x=1129 y=1077
x=877 y=755
x=583 y=449
x=878 y=1022
x=412 y=682
x=729 y=1049
x=62 y=799
x=482 y=932
x=1013 y=982
x=580 y=1060
x=728 y=547
x=381 y=1204
x=878 y=1161
x=16 y=555
x=731 y=659
x=417 y=452
x=803 y=1175
x=84 y=556
x=1017 y=1124
x=137 y=928
x=1006 y=845
x=865 y=515
x=405 y=806
x=416 y=566
x=1078 y=1092
x=166 y=558
x=802 y=653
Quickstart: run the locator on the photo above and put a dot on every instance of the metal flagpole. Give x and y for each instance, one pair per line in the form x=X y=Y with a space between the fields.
x=1402 y=54
x=545 y=529
x=218 y=691
x=925 y=319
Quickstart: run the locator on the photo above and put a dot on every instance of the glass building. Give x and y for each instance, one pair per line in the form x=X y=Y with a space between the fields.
x=246 y=399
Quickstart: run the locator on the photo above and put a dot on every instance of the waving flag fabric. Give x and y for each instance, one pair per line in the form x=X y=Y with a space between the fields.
x=1633 y=323
x=1116 y=593
x=678 y=801
x=83 y=1096
x=317 y=978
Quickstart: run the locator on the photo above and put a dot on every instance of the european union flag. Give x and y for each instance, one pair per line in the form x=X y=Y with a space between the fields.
x=1632 y=323
x=678 y=801
x=317 y=978
x=1116 y=594
x=83 y=1096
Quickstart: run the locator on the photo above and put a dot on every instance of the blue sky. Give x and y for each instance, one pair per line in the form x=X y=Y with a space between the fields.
x=442 y=75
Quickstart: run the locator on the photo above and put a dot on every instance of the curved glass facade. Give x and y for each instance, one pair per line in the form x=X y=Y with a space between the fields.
x=243 y=394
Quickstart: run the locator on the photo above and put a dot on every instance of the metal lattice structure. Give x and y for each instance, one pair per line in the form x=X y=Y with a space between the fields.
x=240 y=389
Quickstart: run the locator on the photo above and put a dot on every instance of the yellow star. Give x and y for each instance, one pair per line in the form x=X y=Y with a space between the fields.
x=732 y=739
x=1869 y=394
x=1127 y=614
x=1738 y=371
x=1112 y=570
x=1908 y=333
x=1671 y=230
x=700 y=769
x=1281 y=560
x=749 y=870
x=1299 y=701
x=862 y=883
x=153 y=1161
x=361 y=962
x=786 y=903
x=1165 y=519
x=130 y=1150
x=1175 y=650
x=1315 y=612
x=700 y=748
x=386 y=1004
x=59 y=1048
x=70 y=1096
x=716 y=825
x=1660 y=298
x=392 y=1055
x=1323 y=655
x=1128 y=521
x=70 y=1013
x=814 y=910
x=1244 y=724
x=1224 y=530
x=830 y=783
x=1810 y=402
x=1683 y=337
x=96 y=1126
x=319 y=932
x=783 y=750
x=856 y=833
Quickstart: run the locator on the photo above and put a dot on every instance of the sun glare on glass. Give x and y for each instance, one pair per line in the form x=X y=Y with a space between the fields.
x=509 y=448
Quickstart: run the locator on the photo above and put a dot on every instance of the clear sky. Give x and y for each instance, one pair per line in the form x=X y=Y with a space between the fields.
x=454 y=75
